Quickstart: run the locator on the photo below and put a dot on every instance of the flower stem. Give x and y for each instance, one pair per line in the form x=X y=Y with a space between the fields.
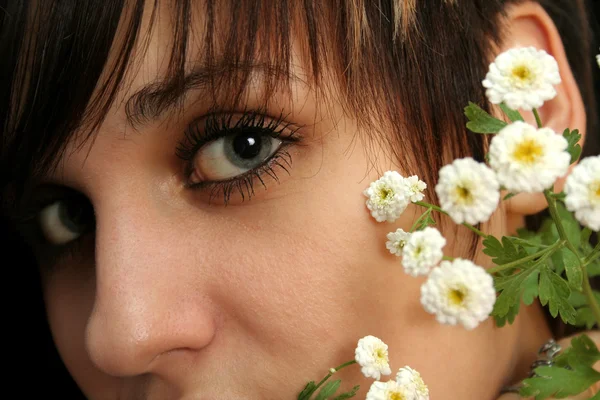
x=416 y=223
x=330 y=373
x=589 y=296
x=587 y=289
x=448 y=258
x=538 y=120
x=438 y=209
x=593 y=255
x=591 y=258
x=550 y=249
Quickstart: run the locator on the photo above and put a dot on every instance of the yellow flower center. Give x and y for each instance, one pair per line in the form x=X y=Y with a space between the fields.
x=418 y=250
x=457 y=296
x=381 y=355
x=395 y=396
x=522 y=75
x=528 y=151
x=595 y=192
x=464 y=194
x=385 y=193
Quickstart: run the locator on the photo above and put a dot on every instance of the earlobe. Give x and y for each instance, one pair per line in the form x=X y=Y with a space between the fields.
x=528 y=24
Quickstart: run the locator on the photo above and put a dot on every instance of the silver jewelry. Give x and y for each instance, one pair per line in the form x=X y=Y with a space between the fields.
x=546 y=355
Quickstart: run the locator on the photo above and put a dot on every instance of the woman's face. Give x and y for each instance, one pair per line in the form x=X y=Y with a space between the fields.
x=177 y=295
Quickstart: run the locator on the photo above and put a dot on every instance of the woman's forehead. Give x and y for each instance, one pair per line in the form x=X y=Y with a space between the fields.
x=179 y=49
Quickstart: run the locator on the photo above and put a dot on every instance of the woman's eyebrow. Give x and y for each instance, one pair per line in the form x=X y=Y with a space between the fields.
x=156 y=99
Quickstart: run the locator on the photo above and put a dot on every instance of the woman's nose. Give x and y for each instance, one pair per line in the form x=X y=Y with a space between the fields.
x=149 y=291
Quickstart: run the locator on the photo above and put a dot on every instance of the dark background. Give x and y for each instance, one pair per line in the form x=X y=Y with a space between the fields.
x=34 y=368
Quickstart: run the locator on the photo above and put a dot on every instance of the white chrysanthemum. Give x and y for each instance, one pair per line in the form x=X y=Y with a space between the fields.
x=396 y=241
x=468 y=191
x=386 y=197
x=389 y=390
x=412 y=381
x=527 y=159
x=372 y=355
x=522 y=78
x=422 y=251
x=414 y=187
x=582 y=190
x=459 y=292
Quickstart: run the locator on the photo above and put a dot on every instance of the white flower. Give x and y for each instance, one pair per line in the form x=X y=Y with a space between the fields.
x=396 y=241
x=413 y=188
x=389 y=390
x=411 y=379
x=522 y=78
x=372 y=356
x=422 y=251
x=386 y=197
x=459 y=292
x=583 y=192
x=468 y=191
x=527 y=159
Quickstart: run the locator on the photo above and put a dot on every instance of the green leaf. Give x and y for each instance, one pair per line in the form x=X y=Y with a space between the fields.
x=573 y=269
x=585 y=235
x=593 y=269
x=426 y=221
x=548 y=232
x=577 y=299
x=503 y=253
x=555 y=292
x=571 y=374
x=559 y=382
x=584 y=316
x=328 y=390
x=492 y=247
x=510 y=316
x=572 y=227
x=309 y=389
x=508 y=196
x=513 y=115
x=558 y=262
x=531 y=241
x=510 y=288
x=482 y=122
x=573 y=148
x=349 y=394
x=534 y=242
x=531 y=288
x=582 y=353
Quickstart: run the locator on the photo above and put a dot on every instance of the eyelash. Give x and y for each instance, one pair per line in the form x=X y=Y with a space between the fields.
x=218 y=125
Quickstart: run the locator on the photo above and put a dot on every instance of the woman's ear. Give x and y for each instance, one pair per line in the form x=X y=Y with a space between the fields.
x=528 y=24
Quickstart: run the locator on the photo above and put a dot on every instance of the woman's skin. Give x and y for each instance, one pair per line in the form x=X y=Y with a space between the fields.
x=178 y=297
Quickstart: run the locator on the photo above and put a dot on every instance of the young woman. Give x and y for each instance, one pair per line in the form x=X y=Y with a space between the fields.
x=187 y=176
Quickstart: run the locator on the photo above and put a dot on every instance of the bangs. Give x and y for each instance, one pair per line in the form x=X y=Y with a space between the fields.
x=67 y=61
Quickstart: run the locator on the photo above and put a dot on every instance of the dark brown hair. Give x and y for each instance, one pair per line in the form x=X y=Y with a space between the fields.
x=406 y=66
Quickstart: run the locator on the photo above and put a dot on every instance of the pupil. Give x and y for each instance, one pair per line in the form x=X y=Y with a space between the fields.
x=247 y=145
x=76 y=214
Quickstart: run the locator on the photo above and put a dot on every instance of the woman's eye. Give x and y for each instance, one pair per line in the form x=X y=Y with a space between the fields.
x=232 y=155
x=65 y=220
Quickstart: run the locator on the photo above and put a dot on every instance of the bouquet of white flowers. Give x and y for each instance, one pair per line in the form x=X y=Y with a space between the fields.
x=553 y=265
